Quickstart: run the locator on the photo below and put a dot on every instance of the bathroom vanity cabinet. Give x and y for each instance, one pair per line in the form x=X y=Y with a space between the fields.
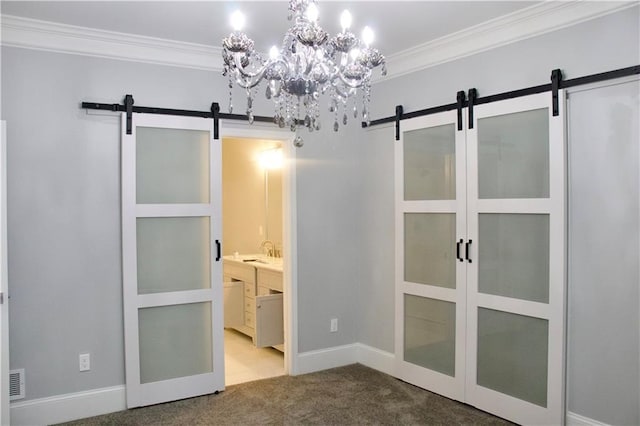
x=257 y=310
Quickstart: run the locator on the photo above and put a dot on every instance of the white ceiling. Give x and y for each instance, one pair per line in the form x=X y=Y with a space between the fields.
x=398 y=24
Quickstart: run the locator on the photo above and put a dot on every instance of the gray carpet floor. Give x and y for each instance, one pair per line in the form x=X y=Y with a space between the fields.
x=351 y=395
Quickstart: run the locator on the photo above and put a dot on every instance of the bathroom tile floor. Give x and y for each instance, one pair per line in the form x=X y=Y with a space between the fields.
x=244 y=362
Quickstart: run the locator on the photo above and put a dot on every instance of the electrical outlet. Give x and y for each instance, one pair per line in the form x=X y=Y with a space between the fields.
x=334 y=325
x=85 y=362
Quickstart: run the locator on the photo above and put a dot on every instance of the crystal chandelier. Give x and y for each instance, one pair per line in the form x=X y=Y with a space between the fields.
x=307 y=65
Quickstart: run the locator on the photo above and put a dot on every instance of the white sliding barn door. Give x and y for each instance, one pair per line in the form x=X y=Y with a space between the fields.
x=430 y=273
x=516 y=278
x=171 y=231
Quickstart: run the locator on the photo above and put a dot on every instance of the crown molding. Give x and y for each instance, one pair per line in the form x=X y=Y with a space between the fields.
x=532 y=21
x=54 y=37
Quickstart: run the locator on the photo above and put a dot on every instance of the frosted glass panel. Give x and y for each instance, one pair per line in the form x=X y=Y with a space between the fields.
x=512 y=355
x=174 y=254
x=513 y=155
x=430 y=333
x=429 y=163
x=429 y=249
x=172 y=166
x=175 y=341
x=513 y=256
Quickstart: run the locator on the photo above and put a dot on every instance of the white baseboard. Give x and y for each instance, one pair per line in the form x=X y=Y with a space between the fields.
x=375 y=358
x=574 y=419
x=67 y=407
x=323 y=359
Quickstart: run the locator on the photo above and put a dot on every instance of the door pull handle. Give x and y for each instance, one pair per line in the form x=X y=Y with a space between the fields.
x=218 y=250
x=466 y=250
x=458 y=250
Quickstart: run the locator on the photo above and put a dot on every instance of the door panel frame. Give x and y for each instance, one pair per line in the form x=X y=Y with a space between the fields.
x=554 y=312
x=139 y=394
x=451 y=387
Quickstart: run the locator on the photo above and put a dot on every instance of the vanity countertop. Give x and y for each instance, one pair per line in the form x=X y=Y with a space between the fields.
x=256 y=260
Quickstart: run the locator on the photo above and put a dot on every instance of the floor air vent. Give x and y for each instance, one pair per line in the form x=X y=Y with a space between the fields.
x=16 y=384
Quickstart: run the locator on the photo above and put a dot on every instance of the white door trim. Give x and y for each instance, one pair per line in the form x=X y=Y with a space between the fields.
x=4 y=307
x=234 y=129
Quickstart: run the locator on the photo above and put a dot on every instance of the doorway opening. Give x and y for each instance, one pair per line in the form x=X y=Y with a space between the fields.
x=258 y=255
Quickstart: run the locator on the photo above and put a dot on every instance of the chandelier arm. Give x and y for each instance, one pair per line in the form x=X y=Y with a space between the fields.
x=258 y=75
x=352 y=85
x=244 y=73
x=249 y=84
x=342 y=94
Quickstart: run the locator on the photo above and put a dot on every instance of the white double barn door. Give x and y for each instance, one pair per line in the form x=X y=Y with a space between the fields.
x=480 y=267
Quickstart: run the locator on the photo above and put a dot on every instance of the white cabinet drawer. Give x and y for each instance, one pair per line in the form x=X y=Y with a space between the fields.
x=249 y=305
x=249 y=319
x=249 y=290
x=271 y=279
x=246 y=273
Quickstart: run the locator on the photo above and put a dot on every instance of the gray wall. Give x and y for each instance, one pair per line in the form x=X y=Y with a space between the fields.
x=329 y=236
x=64 y=214
x=64 y=208
x=604 y=255
x=595 y=46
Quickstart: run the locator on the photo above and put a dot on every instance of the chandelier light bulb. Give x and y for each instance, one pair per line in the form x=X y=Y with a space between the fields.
x=367 y=36
x=312 y=12
x=354 y=53
x=345 y=20
x=237 y=20
x=273 y=53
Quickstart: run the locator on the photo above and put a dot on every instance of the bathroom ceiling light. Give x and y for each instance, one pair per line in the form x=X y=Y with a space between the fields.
x=271 y=159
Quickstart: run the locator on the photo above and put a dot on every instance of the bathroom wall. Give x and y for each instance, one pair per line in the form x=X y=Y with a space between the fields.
x=244 y=224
